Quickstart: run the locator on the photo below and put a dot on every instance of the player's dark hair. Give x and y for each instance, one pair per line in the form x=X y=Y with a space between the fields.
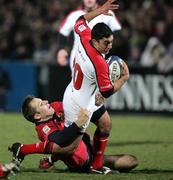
x=27 y=110
x=101 y=30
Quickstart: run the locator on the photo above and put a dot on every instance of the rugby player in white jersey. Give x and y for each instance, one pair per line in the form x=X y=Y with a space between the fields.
x=90 y=75
x=67 y=26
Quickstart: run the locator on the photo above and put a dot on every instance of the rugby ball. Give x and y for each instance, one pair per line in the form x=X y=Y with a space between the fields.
x=115 y=67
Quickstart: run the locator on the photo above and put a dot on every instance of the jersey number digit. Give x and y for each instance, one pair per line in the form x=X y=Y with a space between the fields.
x=78 y=76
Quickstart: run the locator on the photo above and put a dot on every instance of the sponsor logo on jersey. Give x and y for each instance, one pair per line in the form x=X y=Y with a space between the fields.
x=46 y=129
x=81 y=28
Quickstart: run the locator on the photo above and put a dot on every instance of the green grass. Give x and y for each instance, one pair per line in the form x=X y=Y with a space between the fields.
x=149 y=138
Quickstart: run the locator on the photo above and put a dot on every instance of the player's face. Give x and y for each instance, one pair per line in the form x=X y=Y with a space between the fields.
x=104 y=45
x=43 y=109
x=89 y=3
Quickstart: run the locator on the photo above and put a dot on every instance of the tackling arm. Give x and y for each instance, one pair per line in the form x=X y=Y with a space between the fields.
x=68 y=135
x=56 y=149
x=66 y=141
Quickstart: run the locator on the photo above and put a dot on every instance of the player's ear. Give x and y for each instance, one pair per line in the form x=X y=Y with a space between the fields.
x=94 y=43
x=37 y=116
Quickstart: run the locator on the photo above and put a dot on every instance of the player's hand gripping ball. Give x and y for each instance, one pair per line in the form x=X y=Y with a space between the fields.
x=115 y=68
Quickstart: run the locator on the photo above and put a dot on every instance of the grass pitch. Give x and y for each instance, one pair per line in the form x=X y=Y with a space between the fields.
x=149 y=138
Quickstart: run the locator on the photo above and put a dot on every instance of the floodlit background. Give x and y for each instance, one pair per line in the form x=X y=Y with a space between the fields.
x=28 y=65
x=29 y=45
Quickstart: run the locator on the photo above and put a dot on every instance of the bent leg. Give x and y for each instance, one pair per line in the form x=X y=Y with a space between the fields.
x=102 y=120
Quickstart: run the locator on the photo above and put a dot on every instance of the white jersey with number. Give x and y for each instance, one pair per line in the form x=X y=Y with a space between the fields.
x=67 y=26
x=90 y=75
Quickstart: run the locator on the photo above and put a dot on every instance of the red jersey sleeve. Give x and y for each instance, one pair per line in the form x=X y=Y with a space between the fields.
x=102 y=74
x=81 y=27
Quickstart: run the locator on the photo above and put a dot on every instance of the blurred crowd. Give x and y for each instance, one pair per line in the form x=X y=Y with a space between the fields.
x=29 y=30
x=147 y=34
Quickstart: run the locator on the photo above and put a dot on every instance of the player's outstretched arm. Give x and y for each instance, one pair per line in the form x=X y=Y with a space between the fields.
x=109 y=5
x=68 y=135
x=68 y=149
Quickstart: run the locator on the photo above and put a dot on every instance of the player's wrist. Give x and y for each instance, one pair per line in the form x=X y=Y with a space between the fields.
x=118 y=84
x=78 y=124
x=125 y=77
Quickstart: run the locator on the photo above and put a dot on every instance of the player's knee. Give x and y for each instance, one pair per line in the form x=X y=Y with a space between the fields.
x=105 y=126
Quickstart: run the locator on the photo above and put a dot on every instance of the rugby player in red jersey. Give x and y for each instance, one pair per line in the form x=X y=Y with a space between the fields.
x=57 y=140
